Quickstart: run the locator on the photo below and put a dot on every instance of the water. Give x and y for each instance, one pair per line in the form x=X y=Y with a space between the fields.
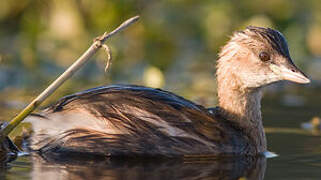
x=299 y=155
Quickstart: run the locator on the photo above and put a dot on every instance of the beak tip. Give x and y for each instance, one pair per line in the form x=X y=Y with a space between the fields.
x=307 y=81
x=301 y=80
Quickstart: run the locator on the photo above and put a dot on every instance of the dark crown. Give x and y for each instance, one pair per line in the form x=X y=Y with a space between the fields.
x=271 y=36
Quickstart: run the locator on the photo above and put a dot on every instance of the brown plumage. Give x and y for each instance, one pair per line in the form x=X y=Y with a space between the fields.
x=126 y=120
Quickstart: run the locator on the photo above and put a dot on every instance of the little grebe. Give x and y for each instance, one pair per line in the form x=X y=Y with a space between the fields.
x=127 y=120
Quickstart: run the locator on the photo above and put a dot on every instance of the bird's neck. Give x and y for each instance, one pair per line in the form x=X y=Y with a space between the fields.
x=240 y=105
x=244 y=109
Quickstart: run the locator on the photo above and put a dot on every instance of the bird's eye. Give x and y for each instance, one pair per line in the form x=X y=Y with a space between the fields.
x=264 y=56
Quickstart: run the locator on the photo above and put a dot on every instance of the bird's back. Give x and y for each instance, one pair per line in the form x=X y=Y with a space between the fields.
x=126 y=120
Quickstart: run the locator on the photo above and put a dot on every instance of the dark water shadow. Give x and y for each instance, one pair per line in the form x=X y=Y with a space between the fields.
x=153 y=169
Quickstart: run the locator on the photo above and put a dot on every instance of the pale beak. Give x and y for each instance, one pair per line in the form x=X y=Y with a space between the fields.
x=295 y=76
x=290 y=73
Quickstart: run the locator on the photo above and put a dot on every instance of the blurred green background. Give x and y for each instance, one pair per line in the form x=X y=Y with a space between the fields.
x=173 y=46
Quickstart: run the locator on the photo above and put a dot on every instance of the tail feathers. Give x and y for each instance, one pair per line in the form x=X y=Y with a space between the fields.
x=76 y=140
x=82 y=141
x=33 y=118
x=50 y=125
x=42 y=125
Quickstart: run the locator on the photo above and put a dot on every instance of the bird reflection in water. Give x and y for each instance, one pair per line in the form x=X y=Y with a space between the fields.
x=124 y=168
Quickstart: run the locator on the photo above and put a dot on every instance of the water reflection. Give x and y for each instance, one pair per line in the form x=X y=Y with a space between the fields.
x=112 y=169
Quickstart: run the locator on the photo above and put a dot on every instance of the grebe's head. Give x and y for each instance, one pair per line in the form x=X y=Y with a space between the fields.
x=257 y=57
